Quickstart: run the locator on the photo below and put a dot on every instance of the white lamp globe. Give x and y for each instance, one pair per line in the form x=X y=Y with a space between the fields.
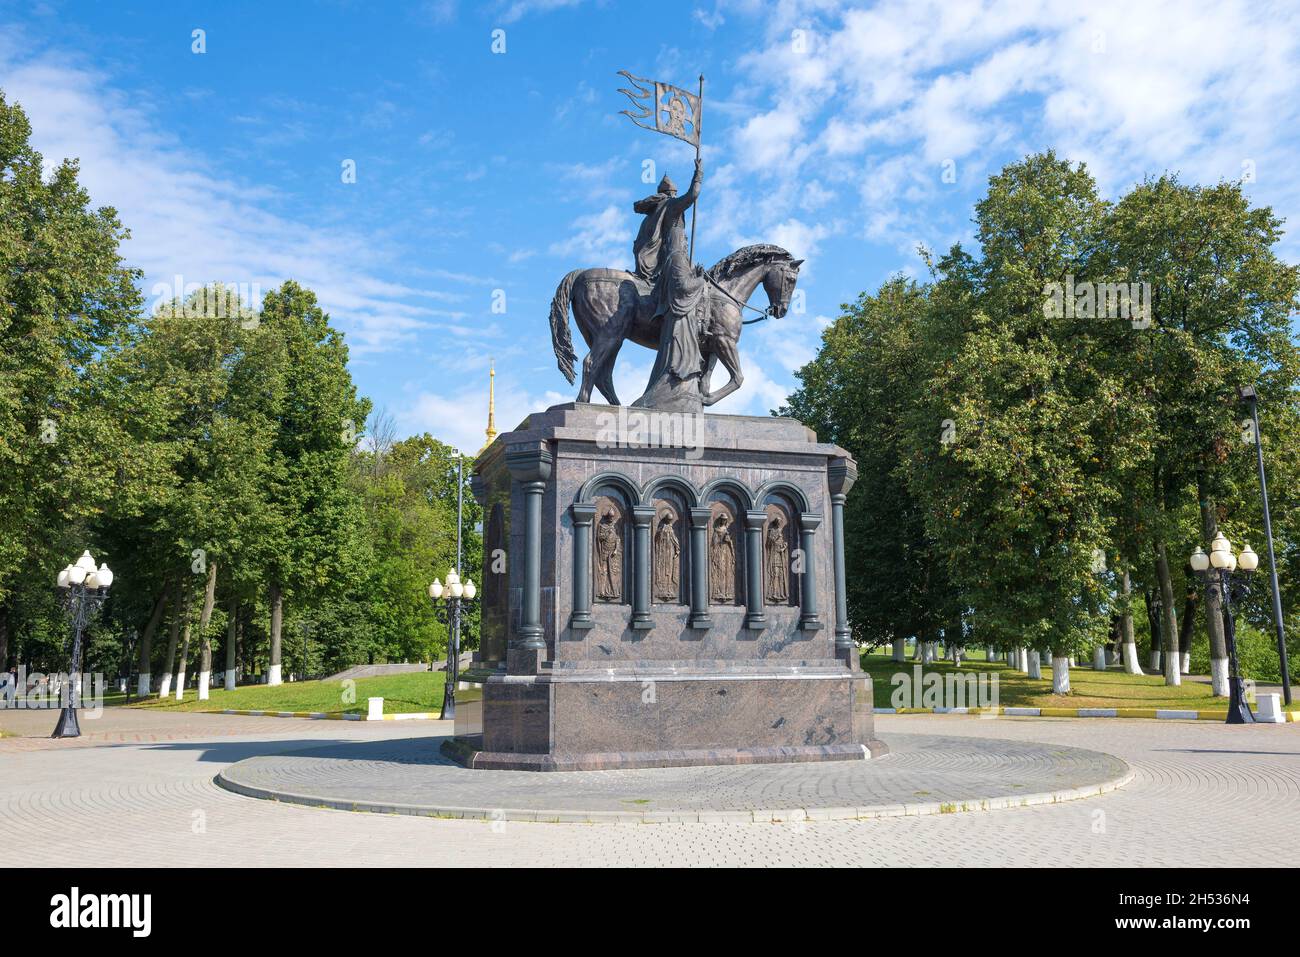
x=86 y=561
x=1199 y=560
x=435 y=590
x=1248 y=560
x=63 y=577
x=1229 y=561
x=452 y=577
x=105 y=575
x=470 y=590
x=456 y=589
x=92 y=579
x=76 y=574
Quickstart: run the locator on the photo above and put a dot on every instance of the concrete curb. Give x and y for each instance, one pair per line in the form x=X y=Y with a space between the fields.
x=758 y=816
x=332 y=717
x=1163 y=714
x=313 y=715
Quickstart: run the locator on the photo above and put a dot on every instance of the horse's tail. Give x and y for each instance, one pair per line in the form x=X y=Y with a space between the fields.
x=560 y=337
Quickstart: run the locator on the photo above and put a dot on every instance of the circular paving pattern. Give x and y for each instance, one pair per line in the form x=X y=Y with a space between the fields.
x=924 y=774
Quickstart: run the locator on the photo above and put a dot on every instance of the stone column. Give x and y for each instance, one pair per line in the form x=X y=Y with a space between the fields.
x=841 y=473
x=584 y=513
x=530 y=465
x=754 y=617
x=700 y=568
x=809 y=618
x=642 y=517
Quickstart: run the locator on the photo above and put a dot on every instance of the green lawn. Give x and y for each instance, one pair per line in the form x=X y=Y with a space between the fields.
x=1088 y=689
x=404 y=693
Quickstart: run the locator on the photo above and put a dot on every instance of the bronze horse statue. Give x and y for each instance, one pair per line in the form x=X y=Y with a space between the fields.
x=611 y=306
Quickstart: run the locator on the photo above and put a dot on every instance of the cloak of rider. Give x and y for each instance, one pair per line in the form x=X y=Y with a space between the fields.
x=663 y=257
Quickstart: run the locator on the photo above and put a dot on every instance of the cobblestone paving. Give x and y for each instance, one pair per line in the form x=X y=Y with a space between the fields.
x=1203 y=794
x=923 y=774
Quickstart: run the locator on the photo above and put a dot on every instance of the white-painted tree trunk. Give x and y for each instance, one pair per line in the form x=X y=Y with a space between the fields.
x=990 y=653
x=1187 y=662
x=1131 y=665
x=144 y=684
x=273 y=675
x=956 y=655
x=1035 y=665
x=1099 y=658
x=204 y=678
x=1219 y=677
x=1154 y=660
x=165 y=688
x=1060 y=674
x=1022 y=659
x=900 y=649
x=180 y=682
x=230 y=679
x=1173 y=675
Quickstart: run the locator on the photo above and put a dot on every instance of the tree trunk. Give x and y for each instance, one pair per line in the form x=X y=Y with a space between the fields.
x=1099 y=658
x=1035 y=665
x=1169 y=624
x=1128 y=641
x=900 y=649
x=183 y=660
x=145 y=679
x=1060 y=674
x=165 y=687
x=205 y=640
x=232 y=634
x=4 y=637
x=276 y=599
x=1190 y=600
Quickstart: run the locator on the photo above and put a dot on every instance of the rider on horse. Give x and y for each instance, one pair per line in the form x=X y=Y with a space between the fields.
x=679 y=285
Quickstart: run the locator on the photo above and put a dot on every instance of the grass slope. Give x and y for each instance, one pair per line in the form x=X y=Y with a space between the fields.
x=1111 y=688
x=403 y=693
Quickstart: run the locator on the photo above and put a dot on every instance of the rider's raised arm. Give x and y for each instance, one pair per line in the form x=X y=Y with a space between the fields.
x=684 y=202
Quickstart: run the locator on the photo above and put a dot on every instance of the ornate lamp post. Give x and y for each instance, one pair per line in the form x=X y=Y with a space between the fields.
x=84 y=588
x=454 y=592
x=1248 y=396
x=1217 y=571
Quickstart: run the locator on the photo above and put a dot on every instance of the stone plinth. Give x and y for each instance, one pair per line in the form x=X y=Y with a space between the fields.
x=662 y=589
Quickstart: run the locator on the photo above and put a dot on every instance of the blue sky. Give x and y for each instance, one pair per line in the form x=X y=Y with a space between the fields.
x=828 y=129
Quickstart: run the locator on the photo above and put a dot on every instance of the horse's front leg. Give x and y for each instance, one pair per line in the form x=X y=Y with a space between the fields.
x=726 y=353
x=708 y=373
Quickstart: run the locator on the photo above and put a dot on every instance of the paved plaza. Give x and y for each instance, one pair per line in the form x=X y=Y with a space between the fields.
x=138 y=789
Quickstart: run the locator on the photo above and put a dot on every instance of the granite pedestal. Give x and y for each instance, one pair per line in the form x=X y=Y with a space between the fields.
x=663 y=589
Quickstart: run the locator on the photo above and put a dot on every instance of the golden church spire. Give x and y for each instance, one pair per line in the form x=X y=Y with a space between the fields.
x=491 y=430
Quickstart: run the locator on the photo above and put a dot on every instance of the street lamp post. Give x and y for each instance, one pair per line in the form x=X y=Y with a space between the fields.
x=1217 y=571
x=84 y=588
x=1248 y=396
x=453 y=593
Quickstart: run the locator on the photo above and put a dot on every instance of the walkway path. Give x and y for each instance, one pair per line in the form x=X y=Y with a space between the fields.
x=138 y=790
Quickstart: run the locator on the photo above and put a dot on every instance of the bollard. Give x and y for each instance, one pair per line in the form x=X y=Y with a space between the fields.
x=376 y=709
x=1269 y=709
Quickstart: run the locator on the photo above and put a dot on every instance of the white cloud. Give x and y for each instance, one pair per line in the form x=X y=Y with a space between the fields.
x=189 y=219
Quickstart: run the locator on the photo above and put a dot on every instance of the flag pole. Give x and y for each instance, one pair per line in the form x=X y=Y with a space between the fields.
x=698 y=137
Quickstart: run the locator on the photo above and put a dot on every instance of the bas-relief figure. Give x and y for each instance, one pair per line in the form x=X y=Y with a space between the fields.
x=609 y=557
x=777 y=563
x=722 y=561
x=667 y=560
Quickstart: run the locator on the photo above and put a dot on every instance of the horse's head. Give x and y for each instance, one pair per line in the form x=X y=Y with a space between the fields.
x=779 y=281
